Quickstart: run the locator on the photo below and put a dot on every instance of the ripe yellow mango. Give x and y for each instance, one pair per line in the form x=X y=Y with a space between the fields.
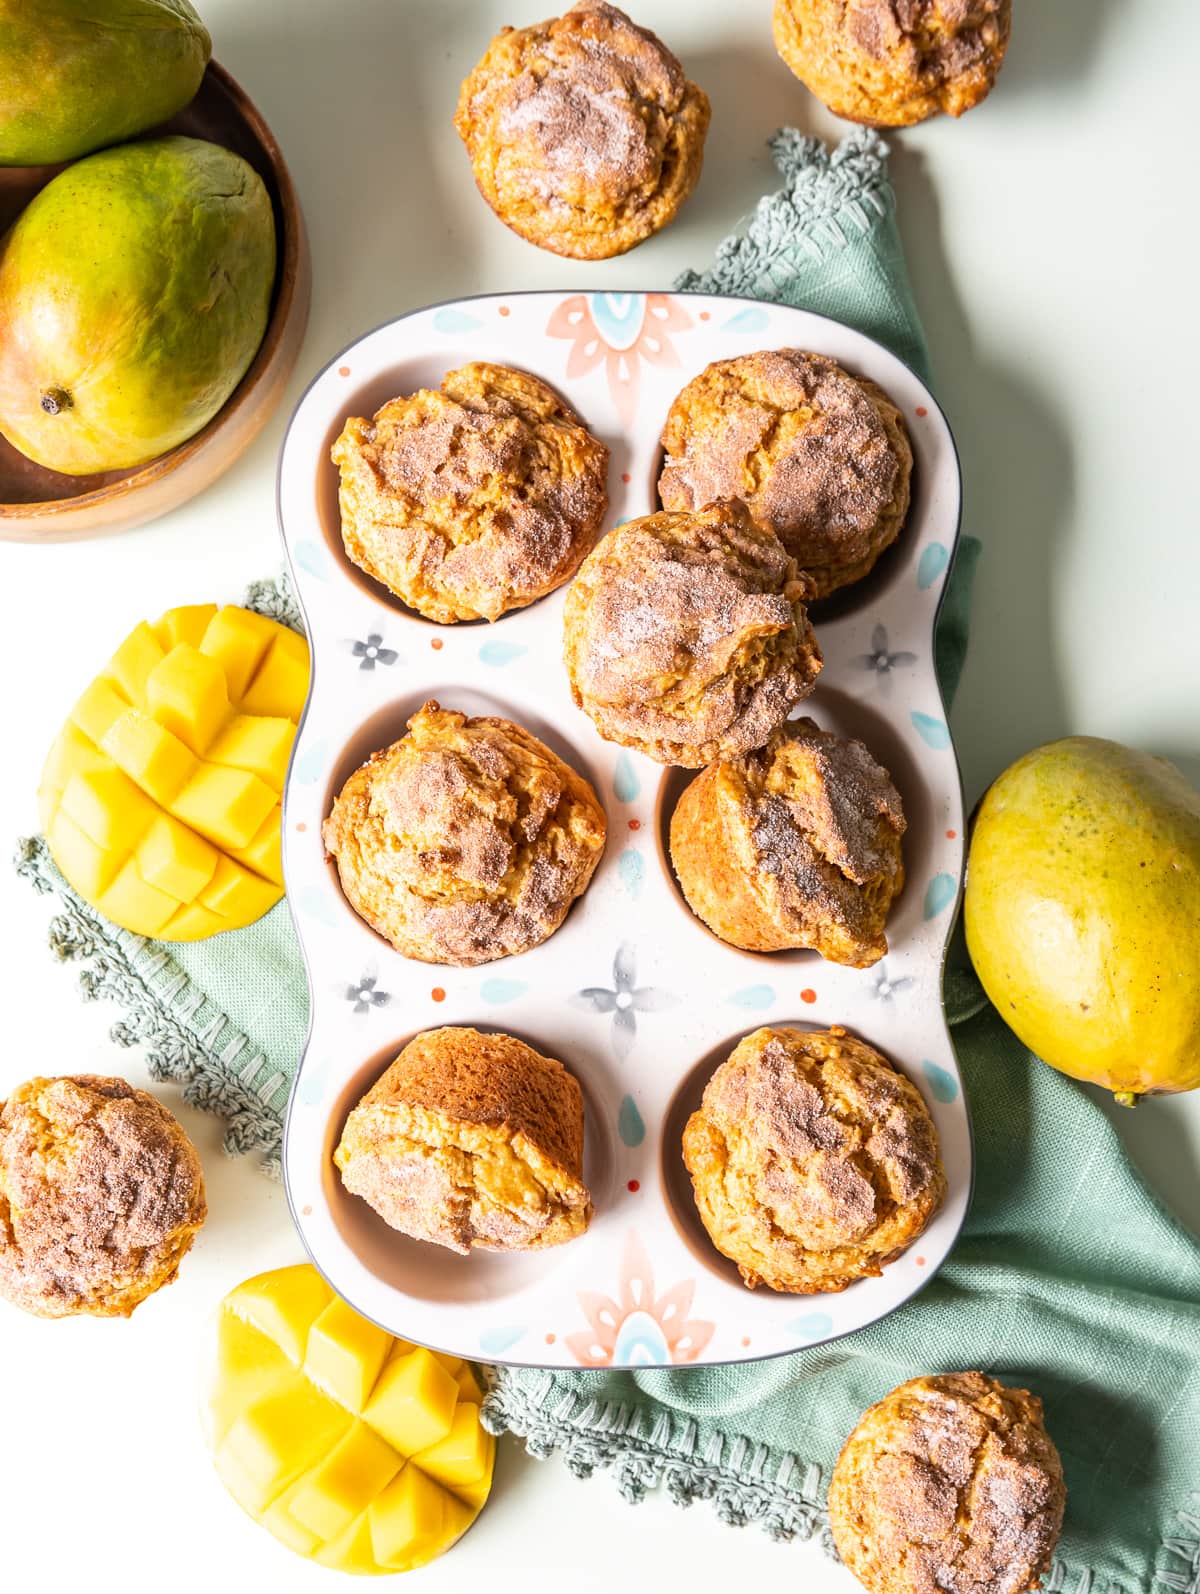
x=135 y=290
x=78 y=74
x=351 y=1447
x=160 y=799
x=1082 y=913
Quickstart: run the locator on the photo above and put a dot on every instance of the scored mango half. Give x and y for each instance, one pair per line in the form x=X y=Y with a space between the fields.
x=160 y=800
x=356 y=1449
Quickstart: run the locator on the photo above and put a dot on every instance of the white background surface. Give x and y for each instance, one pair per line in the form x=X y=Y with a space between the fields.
x=1051 y=238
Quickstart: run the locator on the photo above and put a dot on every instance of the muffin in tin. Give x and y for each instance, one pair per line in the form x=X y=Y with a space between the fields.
x=793 y=845
x=471 y=1140
x=818 y=456
x=949 y=1482
x=585 y=134
x=465 y=841
x=890 y=63
x=814 y=1161
x=686 y=635
x=474 y=498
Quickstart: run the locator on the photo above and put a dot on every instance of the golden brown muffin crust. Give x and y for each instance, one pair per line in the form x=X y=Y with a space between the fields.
x=818 y=456
x=473 y=498
x=584 y=133
x=101 y=1195
x=796 y=844
x=471 y=1139
x=686 y=635
x=813 y=1160
x=889 y=63
x=949 y=1483
x=465 y=841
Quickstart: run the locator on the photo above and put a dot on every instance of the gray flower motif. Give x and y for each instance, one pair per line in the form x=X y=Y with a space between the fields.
x=625 y=1001
x=885 y=986
x=372 y=652
x=881 y=659
x=364 y=994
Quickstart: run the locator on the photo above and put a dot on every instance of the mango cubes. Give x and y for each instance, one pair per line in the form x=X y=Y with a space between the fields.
x=160 y=800
x=353 y=1448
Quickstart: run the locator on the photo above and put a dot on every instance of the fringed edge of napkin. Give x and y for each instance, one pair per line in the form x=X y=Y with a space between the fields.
x=827 y=192
x=188 y=1039
x=745 y=1482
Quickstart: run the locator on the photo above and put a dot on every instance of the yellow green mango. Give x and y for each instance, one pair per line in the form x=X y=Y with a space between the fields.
x=76 y=75
x=1082 y=913
x=134 y=293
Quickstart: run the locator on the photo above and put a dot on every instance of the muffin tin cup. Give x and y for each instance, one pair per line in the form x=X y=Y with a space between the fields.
x=632 y=993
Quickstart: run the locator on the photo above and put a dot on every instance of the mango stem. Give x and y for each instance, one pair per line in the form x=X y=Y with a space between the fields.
x=1126 y=1098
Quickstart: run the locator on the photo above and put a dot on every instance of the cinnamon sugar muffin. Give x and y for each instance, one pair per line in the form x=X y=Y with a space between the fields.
x=584 y=133
x=473 y=498
x=950 y=1482
x=890 y=63
x=686 y=636
x=471 y=1140
x=796 y=844
x=813 y=1160
x=818 y=456
x=101 y=1196
x=465 y=841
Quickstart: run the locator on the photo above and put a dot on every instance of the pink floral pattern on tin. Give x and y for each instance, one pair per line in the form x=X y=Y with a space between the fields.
x=618 y=331
x=639 y=1329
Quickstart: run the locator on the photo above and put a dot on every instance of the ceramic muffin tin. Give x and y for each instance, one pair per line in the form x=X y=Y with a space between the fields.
x=633 y=993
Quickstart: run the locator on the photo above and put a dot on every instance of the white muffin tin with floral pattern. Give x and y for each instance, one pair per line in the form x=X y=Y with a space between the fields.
x=633 y=993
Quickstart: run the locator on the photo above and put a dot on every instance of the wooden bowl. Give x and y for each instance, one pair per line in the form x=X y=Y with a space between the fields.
x=40 y=505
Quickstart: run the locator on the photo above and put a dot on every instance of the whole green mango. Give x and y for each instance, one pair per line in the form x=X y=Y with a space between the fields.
x=76 y=75
x=134 y=293
x=1082 y=913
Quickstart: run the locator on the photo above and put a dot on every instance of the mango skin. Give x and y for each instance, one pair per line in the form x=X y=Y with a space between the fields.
x=1082 y=913
x=76 y=75
x=135 y=290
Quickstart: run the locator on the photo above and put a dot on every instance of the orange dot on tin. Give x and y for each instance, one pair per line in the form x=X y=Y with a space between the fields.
x=438 y=994
x=808 y=994
x=550 y=1338
x=436 y=644
x=920 y=1261
x=301 y=826
x=705 y=316
x=633 y=1187
x=922 y=411
x=626 y=477
x=635 y=824
x=745 y=1340
x=343 y=370
x=952 y=835
x=502 y=309
x=306 y=1212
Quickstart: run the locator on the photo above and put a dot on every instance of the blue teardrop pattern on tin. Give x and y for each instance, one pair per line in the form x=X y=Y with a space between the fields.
x=449 y=319
x=632 y=869
x=497 y=991
x=942 y=1084
x=751 y=319
x=938 y=895
x=754 y=996
x=933 y=732
x=626 y=784
x=630 y=1125
x=495 y=1341
x=813 y=1325
x=934 y=558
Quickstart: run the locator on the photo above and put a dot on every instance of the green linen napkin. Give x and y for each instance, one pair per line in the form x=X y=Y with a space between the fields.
x=1069 y=1278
